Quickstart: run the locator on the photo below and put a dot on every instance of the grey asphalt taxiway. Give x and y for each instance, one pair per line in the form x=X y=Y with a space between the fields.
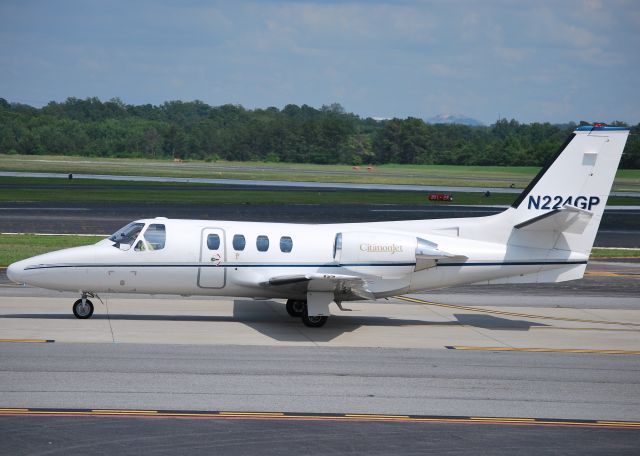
x=552 y=368
x=527 y=369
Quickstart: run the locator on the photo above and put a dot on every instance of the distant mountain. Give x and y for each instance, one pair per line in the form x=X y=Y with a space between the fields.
x=454 y=119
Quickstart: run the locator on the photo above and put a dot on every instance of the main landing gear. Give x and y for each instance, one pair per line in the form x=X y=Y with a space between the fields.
x=83 y=308
x=298 y=308
x=295 y=307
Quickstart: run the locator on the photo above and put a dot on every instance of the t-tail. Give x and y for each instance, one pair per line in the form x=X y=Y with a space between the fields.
x=554 y=221
x=569 y=195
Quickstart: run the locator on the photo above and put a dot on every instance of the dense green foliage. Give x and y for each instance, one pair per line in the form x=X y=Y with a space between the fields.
x=294 y=134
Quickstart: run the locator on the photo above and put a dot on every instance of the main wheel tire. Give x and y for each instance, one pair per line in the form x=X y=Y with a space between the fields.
x=313 y=322
x=83 y=311
x=295 y=307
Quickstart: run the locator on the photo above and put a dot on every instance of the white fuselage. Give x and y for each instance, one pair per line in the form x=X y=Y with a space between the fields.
x=383 y=254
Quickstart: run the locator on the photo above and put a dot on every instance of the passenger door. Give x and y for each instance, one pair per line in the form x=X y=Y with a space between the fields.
x=212 y=273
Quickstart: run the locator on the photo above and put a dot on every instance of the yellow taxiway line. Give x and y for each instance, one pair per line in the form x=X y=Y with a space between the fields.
x=27 y=341
x=359 y=417
x=546 y=350
x=512 y=314
x=611 y=274
x=130 y=412
x=250 y=414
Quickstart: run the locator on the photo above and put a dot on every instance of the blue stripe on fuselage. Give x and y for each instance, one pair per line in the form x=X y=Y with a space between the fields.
x=267 y=265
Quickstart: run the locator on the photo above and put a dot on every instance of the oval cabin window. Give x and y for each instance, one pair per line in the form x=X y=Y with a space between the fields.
x=286 y=244
x=213 y=242
x=262 y=243
x=239 y=242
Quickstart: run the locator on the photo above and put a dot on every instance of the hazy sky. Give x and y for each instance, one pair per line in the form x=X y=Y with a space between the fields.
x=536 y=60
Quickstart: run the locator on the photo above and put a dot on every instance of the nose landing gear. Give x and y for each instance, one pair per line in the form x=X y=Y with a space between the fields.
x=83 y=308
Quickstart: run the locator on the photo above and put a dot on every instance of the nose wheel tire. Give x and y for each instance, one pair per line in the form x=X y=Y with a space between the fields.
x=83 y=310
x=295 y=307
x=313 y=322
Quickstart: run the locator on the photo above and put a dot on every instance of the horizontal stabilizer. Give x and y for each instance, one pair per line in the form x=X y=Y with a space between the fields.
x=568 y=219
x=434 y=254
x=428 y=254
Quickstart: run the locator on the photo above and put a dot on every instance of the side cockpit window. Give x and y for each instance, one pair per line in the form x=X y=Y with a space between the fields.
x=155 y=236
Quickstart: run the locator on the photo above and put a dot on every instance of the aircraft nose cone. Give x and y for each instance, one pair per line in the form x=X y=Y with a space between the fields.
x=15 y=272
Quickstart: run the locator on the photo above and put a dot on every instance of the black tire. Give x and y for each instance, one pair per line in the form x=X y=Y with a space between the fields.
x=83 y=312
x=295 y=307
x=313 y=322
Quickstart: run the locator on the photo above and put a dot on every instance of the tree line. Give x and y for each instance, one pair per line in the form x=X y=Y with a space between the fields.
x=300 y=134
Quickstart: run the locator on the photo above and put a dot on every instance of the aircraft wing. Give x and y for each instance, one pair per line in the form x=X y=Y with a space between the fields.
x=568 y=219
x=339 y=284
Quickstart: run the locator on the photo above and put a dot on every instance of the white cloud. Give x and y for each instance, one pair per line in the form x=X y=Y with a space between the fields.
x=375 y=57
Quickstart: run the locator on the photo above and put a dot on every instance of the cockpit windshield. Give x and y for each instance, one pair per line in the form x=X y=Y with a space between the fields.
x=127 y=235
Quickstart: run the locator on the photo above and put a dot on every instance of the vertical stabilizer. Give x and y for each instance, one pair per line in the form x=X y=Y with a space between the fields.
x=580 y=176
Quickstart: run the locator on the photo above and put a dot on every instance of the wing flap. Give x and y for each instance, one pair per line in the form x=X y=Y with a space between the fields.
x=286 y=280
x=339 y=284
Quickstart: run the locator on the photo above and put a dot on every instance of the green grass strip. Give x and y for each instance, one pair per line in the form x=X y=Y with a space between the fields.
x=599 y=252
x=16 y=247
x=483 y=176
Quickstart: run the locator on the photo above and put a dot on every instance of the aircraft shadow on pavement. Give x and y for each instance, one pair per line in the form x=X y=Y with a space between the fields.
x=271 y=319
x=497 y=323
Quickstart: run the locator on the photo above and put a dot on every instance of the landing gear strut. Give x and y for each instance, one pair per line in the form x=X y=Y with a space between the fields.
x=296 y=307
x=83 y=308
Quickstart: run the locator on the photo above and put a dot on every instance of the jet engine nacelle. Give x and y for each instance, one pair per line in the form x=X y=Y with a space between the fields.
x=393 y=254
x=363 y=247
x=396 y=255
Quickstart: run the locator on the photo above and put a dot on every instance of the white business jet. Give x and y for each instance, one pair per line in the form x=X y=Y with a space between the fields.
x=545 y=236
